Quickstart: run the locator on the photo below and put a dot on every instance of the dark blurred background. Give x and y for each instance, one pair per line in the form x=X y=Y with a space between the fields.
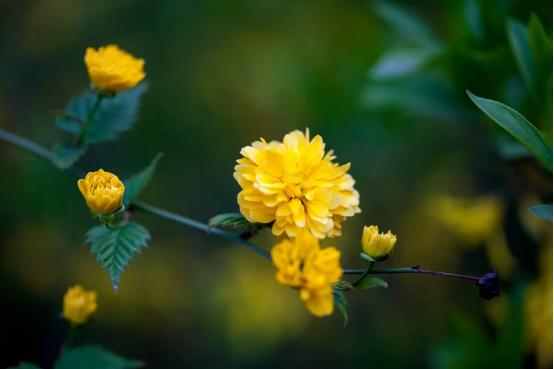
x=384 y=84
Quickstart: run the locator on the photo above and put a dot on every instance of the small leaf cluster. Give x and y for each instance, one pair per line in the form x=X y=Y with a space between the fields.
x=94 y=117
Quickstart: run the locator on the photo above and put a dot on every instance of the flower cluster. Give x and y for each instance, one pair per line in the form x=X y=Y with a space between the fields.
x=302 y=264
x=112 y=70
x=295 y=185
x=103 y=192
x=79 y=305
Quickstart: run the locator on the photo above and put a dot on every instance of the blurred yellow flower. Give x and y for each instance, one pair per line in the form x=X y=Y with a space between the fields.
x=302 y=264
x=111 y=69
x=538 y=312
x=474 y=219
x=103 y=191
x=377 y=245
x=79 y=305
x=295 y=185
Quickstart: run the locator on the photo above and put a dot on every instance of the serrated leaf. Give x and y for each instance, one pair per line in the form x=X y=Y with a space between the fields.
x=115 y=246
x=94 y=357
x=135 y=184
x=372 y=282
x=341 y=304
x=25 y=365
x=65 y=155
x=519 y=41
x=114 y=116
x=519 y=127
x=542 y=211
x=230 y=220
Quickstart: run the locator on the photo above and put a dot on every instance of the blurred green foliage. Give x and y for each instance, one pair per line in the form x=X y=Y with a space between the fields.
x=384 y=83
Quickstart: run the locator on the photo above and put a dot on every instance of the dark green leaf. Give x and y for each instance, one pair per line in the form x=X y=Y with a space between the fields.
x=405 y=24
x=115 y=246
x=541 y=49
x=519 y=40
x=115 y=115
x=542 y=211
x=517 y=126
x=66 y=155
x=94 y=357
x=343 y=286
x=366 y=257
x=75 y=113
x=341 y=304
x=230 y=220
x=25 y=365
x=372 y=282
x=399 y=63
x=136 y=183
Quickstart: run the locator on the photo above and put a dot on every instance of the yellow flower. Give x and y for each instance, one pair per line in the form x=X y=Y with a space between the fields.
x=79 y=305
x=102 y=191
x=302 y=264
x=111 y=69
x=377 y=245
x=295 y=185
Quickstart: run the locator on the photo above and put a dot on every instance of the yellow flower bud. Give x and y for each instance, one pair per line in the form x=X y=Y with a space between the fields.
x=102 y=191
x=111 y=69
x=79 y=305
x=377 y=245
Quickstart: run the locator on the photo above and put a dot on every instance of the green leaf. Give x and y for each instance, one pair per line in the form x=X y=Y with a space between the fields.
x=517 y=126
x=114 y=116
x=372 y=282
x=542 y=211
x=405 y=24
x=115 y=246
x=230 y=220
x=399 y=63
x=135 y=184
x=366 y=257
x=66 y=155
x=519 y=41
x=343 y=286
x=94 y=357
x=25 y=365
x=541 y=49
x=341 y=304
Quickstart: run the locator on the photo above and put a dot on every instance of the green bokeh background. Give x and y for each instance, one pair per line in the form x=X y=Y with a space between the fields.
x=221 y=75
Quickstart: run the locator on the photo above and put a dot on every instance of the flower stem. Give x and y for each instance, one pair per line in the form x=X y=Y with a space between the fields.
x=201 y=227
x=364 y=274
x=27 y=145
x=412 y=269
x=70 y=337
x=90 y=118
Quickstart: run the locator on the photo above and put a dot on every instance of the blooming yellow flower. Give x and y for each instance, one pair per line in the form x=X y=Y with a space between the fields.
x=377 y=245
x=296 y=185
x=302 y=264
x=111 y=69
x=102 y=191
x=79 y=305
